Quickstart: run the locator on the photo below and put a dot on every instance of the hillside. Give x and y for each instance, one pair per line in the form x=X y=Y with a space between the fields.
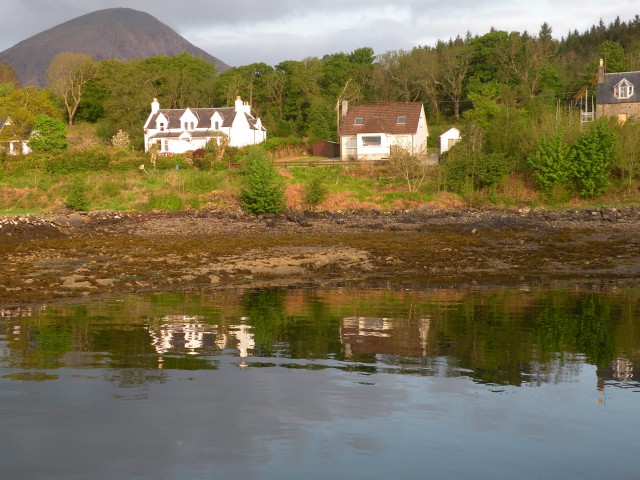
x=119 y=33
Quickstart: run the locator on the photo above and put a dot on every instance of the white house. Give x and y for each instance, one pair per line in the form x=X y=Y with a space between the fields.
x=180 y=130
x=372 y=131
x=448 y=139
x=14 y=146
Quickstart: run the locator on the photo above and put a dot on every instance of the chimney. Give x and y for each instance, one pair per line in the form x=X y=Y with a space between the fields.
x=239 y=105
x=601 y=72
x=345 y=107
x=155 y=106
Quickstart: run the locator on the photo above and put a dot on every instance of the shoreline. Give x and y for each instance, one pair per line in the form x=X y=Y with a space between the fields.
x=79 y=256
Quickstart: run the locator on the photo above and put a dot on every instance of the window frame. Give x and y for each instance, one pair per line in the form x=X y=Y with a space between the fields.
x=623 y=89
x=372 y=140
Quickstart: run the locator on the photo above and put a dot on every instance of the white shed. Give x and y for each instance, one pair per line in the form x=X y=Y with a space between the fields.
x=448 y=139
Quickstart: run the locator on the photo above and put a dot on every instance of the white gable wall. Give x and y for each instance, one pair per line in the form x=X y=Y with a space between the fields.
x=240 y=132
x=448 y=139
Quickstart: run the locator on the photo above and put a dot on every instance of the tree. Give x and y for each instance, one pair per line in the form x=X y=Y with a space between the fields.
x=67 y=75
x=613 y=55
x=263 y=187
x=8 y=74
x=627 y=158
x=180 y=81
x=216 y=147
x=454 y=63
x=49 y=135
x=411 y=168
x=592 y=155
x=21 y=107
x=551 y=162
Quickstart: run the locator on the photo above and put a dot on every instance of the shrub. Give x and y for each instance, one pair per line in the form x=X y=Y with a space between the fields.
x=315 y=191
x=78 y=161
x=592 y=155
x=467 y=174
x=121 y=140
x=165 y=162
x=167 y=202
x=201 y=182
x=49 y=135
x=551 y=162
x=77 y=198
x=263 y=187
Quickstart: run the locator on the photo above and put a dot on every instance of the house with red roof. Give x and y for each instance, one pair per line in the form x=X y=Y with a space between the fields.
x=180 y=130
x=374 y=131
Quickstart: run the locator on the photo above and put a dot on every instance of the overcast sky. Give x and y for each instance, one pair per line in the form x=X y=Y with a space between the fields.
x=240 y=32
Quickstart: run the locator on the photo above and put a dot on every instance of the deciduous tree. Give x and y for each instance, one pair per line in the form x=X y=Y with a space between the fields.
x=67 y=75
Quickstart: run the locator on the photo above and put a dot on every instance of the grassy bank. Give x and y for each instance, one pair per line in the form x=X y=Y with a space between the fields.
x=111 y=179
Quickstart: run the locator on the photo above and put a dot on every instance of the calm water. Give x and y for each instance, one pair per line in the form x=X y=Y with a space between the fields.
x=300 y=384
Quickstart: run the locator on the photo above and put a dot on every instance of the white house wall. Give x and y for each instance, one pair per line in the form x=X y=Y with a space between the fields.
x=448 y=138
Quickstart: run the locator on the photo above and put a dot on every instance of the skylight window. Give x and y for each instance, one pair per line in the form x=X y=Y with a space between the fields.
x=358 y=121
x=623 y=90
x=401 y=119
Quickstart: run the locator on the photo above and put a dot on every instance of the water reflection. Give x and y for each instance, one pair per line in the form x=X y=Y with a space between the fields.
x=501 y=337
x=335 y=383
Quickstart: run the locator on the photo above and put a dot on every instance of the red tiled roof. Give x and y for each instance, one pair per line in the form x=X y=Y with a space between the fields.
x=381 y=118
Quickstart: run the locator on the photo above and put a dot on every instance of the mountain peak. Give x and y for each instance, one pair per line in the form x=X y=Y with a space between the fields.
x=119 y=33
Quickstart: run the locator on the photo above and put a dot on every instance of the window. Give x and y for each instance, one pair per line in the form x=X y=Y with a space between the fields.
x=401 y=119
x=624 y=89
x=216 y=126
x=163 y=145
x=350 y=147
x=372 y=141
x=358 y=121
x=161 y=126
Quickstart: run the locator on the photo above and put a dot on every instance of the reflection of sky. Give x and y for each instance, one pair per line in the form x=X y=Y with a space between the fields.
x=287 y=423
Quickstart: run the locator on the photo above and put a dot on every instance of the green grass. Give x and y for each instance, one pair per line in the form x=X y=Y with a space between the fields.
x=26 y=186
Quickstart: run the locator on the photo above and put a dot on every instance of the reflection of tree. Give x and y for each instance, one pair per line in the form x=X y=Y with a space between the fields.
x=581 y=326
x=312 y=335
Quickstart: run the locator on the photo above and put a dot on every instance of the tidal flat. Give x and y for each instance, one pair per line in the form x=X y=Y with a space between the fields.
x=77 y=255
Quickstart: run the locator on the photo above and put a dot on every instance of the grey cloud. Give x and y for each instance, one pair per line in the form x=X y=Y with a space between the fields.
x=247 y=31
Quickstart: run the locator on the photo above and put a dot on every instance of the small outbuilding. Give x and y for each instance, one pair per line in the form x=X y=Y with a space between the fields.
x=326 y=149
x=448 y=139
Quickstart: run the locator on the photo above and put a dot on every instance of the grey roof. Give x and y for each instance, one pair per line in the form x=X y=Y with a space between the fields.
x=203 y=115
x=604 y=91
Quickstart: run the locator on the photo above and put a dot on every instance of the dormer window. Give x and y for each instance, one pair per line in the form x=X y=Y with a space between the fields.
x=623 y=90
x=161 y=127
x=216 y=126
x=358 y=121
x=401 y=119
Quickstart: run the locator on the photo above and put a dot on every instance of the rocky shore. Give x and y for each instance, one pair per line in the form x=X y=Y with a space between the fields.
x=104 y=253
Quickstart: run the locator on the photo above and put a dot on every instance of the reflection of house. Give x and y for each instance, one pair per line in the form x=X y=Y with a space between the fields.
x=187 y=334
x=384 y=336
x=245 y=340
x=372 y=131
x=180 y=130
x=448 y=139
x=180 y=333
x=14 y=146
x=617 y=95
x=620 y=374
